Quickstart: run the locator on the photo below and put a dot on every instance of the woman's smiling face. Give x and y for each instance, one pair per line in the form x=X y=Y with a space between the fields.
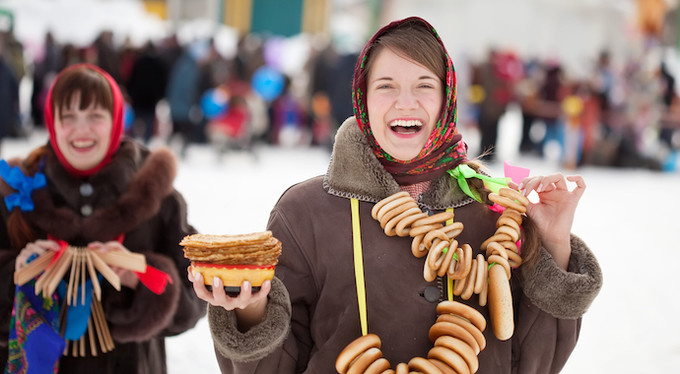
x=83 y=135
x=404 y=102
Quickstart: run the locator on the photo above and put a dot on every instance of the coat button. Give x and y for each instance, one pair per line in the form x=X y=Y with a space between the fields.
x=86 y=189
x=432 y=294
x=86 y=210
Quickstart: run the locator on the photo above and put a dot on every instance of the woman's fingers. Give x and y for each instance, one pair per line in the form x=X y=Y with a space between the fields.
x=219 y=297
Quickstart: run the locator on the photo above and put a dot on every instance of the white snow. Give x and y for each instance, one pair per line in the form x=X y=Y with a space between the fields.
x=627 y=217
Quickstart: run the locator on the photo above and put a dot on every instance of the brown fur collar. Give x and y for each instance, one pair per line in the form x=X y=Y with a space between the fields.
x=130 y=190
x=355 y=172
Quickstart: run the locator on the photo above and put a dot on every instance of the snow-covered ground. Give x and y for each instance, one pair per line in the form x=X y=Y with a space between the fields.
x=628 y=218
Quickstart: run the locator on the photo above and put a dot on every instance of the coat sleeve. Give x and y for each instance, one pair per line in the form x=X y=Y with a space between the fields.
x=272 y=353
x=550 y=307
x=138 y=315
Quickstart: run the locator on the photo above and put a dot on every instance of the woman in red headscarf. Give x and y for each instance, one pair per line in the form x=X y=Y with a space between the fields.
x=90 y=187
x=343 y=274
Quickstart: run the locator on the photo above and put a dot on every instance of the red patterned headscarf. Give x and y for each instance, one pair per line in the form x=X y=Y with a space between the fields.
x=117 y=117
x=444 y=149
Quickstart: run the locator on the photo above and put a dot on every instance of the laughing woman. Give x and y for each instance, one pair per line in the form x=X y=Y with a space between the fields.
x=344 y=275
x=90 y=188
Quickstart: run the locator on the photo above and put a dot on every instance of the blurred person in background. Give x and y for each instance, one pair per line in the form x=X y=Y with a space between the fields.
x=89 y=186
x=10 y=118
x=146 y=87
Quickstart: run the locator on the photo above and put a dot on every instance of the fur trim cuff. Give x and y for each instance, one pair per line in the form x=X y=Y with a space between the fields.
x=259 y=341
x=564 y=294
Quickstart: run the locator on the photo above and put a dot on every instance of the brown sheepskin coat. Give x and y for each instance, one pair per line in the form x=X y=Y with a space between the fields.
x=316 y=273
x=133 y=195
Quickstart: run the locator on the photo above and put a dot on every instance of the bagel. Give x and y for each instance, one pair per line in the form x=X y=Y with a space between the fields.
x=423 y=365
x=513 y=214
x=511 y=232
x=385 y=201
x=417 y=247
x=401 y=368
x=450 y=358
x=507 y=202
x=513 y=194
x=496 y=259
x=500 y=303
x=354 y=349
x=401 y=206
x=447 y=259
x=459 y=346
x=378 y=366
x=455 y=330
x=463 y=310
x=438 y=218
x=364 y=360
x=390 y=226
x=403 y=227
x=470 y=281
x=480 y=275
x=445 y=369
x=494 y=248
x=467 y=325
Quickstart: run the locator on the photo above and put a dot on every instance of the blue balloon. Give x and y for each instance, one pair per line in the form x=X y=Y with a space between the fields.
x=268 y=83
x=128 y=116
x=214 y=103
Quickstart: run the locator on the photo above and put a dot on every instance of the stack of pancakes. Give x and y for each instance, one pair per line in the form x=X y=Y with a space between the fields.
x=233 y=258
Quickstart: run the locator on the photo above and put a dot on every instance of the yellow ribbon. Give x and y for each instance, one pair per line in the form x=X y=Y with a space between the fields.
x=359 y=266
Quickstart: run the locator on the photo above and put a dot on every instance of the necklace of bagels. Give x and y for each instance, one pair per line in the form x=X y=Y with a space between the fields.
x=457 y=334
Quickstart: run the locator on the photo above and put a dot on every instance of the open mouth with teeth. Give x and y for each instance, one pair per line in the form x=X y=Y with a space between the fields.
x=83 y=144
x=406 y=127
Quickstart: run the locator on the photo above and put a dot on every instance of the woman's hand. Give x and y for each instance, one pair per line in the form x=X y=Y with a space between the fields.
x=127 y=277
x=38 y=247
x=249 y=306
x=554 y=213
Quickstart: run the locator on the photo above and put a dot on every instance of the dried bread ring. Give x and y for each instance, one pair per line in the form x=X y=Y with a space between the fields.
x=505 y=220
x=514 y=194
x=438 y=218
x=393 y=207
x=450 y=358
x=514 y=259
x=470 y=281
x=453 y=229
x=455 y=330
x=430 y=236
x=463 y=310
x=443 y=268
x=417 y=247
x=385 y=201
x=359 y=365
x=436 y=256
x=484 y=295
x=494 y=260
x=423 y=365
x=500 y=303
x=444 y=368
x=458 y=286
x=354 y=349
x=402 y=368
x=495 y=238
x=510 y=246
x=514 y=234
x=467 y=325
x=513 y=214
x=507 y=202
x=423 y=229
x=461 y=348
x=390 y=226
x=455 y=269
x=494 y=248
x=378 y=366
x=480 y=275
x=404 y=225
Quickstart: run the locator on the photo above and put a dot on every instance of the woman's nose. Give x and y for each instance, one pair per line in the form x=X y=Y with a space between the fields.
x=406 y=100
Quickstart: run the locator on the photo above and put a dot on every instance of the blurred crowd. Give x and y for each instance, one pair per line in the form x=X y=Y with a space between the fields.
x=624 y=113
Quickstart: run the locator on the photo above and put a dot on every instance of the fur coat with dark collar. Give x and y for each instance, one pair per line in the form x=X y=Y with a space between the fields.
x=132 y=196
x=313 y=221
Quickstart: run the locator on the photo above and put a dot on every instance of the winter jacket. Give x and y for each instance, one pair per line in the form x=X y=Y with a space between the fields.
x=313 y=221
x=132 y=195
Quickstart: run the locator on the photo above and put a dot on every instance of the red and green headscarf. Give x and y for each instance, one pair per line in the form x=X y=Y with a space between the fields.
x=444 y=149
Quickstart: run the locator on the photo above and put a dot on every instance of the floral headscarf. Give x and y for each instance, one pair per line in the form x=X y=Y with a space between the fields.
x=117 y=117
x=443 y=150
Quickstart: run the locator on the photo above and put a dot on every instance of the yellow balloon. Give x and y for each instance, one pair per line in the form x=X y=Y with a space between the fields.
x=476 y=94
x=572 y=106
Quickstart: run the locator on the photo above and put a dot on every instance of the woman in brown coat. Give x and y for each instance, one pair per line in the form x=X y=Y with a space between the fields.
x=89 y=187
x=340 y=276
